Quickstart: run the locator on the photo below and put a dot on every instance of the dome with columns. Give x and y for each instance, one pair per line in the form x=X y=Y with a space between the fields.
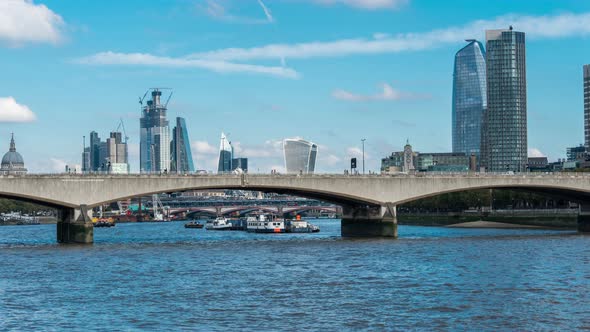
x=12 y=162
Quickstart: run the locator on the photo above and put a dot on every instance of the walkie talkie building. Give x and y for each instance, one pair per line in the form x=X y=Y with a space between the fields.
x=300 y=156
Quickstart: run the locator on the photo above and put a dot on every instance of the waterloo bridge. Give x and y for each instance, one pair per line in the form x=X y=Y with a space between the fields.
x=368 y=202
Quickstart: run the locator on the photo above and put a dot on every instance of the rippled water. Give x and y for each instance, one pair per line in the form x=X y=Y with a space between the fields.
x=165 y=277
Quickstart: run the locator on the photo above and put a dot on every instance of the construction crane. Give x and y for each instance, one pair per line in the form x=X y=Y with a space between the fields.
x=168 y=100
x=141 y=99
x=122 y=126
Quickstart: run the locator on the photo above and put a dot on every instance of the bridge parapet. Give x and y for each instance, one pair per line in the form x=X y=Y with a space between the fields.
x=363 y=195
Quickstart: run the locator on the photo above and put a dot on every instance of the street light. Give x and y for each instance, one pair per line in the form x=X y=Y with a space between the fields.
x=363 y=141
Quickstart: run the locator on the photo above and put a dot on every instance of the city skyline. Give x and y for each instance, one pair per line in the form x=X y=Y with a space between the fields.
x=264 y=79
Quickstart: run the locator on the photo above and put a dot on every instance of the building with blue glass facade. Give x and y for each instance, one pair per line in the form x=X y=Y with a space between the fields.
x=226 y=155
x=469 y=98
x=154 y=145
x=182 y=157
x=587 y=106
x=505 y=119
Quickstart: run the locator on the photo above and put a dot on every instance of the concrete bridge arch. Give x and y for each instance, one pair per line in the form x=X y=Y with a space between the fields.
x=368 y=202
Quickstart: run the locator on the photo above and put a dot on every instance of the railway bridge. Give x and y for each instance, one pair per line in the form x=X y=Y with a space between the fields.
x=368 y=202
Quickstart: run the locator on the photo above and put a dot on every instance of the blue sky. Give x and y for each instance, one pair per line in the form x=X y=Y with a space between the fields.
x=330 y=71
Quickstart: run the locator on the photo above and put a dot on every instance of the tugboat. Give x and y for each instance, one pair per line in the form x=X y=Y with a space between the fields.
x=193 y=224
x=263 y=224
x=219 y=224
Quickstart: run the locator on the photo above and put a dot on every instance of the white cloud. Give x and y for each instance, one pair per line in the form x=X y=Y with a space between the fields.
x=356 y=152
x=366 y=4
x=267 y=11
x=22 y=21
x=534 y=152
x=329 y=160
x=381 y=35
x=387 y=93
x=536 y=27
x=11 y=111
x=203 y=147
x=59 y=166
x=219 y=11
x=221 y=66
x=270 y=149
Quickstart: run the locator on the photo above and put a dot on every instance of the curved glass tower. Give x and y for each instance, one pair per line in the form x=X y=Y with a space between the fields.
x=300 y=156
x=182 y=157
x=469 y=98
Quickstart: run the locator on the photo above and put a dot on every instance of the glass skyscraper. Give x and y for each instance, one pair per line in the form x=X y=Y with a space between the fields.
x=241 y=163
x=587 y=106
x=469 y=98
x=154 y=148
x=505 y=121
x=182 y=157
x=300 y=156
x=226 y=155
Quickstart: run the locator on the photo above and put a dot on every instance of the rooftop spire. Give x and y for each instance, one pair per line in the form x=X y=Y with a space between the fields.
x=12 y=146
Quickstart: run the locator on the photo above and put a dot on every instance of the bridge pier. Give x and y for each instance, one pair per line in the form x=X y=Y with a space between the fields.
x=584 y=218
x=369 y=221
x=75 y=226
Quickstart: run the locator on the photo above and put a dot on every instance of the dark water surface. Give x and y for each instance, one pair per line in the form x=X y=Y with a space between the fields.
x=165 y=277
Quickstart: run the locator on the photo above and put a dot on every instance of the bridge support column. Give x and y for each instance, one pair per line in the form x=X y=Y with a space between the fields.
x=369 y=221
x=584 y=218
x=75 y=225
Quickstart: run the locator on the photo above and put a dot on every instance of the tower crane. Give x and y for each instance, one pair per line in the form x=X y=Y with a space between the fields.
x=142 y=98
x=168 y=100
x=122 y=126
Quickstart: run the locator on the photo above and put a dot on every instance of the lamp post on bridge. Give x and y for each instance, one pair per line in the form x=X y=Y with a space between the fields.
x=363 y=142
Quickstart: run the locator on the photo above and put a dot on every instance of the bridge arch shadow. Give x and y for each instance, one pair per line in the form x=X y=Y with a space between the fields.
x=325 y=196
x=573 y=195
x=49 y=203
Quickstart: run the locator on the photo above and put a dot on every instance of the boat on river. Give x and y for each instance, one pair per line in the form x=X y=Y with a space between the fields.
x=193 y=224
x=301 y=226
x=104 y=222
x=263 y=224
x=219 y=224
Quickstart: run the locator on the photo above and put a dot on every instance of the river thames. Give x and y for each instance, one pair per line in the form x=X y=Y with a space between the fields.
x=161 y=276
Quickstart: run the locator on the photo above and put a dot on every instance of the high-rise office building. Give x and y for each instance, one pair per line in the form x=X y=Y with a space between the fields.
x=94 y=151
x=226 y=155
x=300 y=156
x=154 y=148
x=182 y=157
x=109 y=156
x=505 y=122
x=241 y=163
x=86 y=159
x=587 y=106
x=116 y=154
x=469 y=98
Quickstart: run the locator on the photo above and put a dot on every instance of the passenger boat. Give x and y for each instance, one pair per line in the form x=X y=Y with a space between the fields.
x=263 y=224
x=219 y=224
x=193 y=224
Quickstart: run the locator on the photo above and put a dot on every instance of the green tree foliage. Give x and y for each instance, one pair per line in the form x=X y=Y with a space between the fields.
x=10 y=205
x=484 y=198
